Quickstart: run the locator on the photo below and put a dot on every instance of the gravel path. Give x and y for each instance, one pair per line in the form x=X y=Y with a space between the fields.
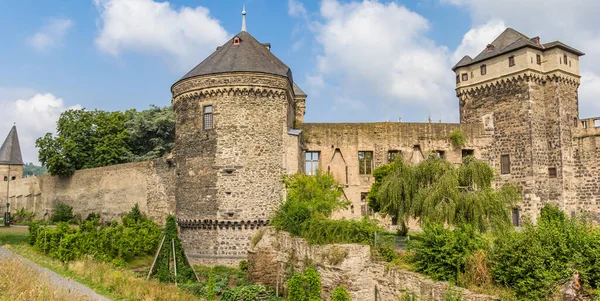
x=56 y=279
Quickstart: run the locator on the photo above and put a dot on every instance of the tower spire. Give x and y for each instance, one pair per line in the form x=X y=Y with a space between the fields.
x=244 y=18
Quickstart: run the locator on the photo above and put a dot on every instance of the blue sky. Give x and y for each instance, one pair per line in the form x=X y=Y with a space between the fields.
x=359 y=61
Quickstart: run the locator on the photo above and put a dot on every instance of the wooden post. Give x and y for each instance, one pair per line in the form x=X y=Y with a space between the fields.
x=155 y=257
x=174 y=260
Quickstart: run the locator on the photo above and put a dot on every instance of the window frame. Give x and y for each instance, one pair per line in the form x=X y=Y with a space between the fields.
x=208 y=121
x=465 y=77
x=565 y=59
x=483 y=69
x=392 y=154
x=457 y=79
x=538 y=59
x=511 y=61
x=505 y=165
x=365 y=165
x=314 y=163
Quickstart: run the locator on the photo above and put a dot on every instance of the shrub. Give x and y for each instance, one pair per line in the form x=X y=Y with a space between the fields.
x=23 y=216
x=458 y=138
x=340 y=294
x=533 y=262
x=304 y=287
x=62 y=213
x=162 y=270
x=295 y=288
x=442 y=253
x=314 y=284
x=249 y=293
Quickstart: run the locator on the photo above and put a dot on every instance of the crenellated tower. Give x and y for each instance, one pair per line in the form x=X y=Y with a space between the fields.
x=525 y=94
x=235 y=114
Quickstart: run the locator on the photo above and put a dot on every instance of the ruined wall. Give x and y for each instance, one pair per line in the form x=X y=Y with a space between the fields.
x=338 y=145
x=348 y=265
x=229 y=176
x=586 y=148
x=112 y=190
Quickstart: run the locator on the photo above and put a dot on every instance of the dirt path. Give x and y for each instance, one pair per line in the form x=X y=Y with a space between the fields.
x=56 y=279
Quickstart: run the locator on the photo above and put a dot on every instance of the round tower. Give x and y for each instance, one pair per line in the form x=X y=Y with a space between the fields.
x=233 y=115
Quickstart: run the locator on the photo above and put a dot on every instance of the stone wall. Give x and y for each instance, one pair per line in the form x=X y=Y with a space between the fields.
x=338 y=145
x=112 y=190
x=274 y=253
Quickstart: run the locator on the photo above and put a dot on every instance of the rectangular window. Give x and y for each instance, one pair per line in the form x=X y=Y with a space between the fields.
x=538 y=59
x=597 y=123
x=5 y=178
x=392 y=155
x=504 y=164
x=440 y=154
x=565 y=59
x=467 y=152
x=458 y=79
x=511 y=61
x=312 y=163
x=208 y=117
x=515 y=217
x=552 y=172
x=584 y=124
x=365 y=163
x=483 y=69
x=575 y=121
x=465 y=77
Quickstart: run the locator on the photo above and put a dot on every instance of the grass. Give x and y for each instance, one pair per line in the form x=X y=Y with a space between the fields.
x=21 y=282
x=104 y=278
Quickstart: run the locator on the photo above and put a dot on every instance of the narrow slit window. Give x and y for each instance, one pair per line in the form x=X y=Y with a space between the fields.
x=365 y=163
x=505 y=164
x=208 y=117
x=483 y=69
x=552 y=172
x=515 y=217
x=538 y=59
x=565 y=59
x=312 y=163
x=511 y=61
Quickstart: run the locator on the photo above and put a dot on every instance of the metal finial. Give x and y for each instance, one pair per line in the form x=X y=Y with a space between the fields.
x=244 y=18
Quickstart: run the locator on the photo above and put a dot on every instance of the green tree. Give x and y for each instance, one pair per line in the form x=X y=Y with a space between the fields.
x=435 y=191
x=30 y=170
x=151 y=132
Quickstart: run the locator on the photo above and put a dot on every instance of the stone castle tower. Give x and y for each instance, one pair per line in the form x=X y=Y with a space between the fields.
x=525 y=94
x=11 y=163
x=235 y=114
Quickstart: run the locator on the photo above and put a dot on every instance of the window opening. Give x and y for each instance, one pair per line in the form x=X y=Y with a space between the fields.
x=208 y=117
x=364 y=205
x=5 y=178
x=392 y=155
x=538 y=59
x=515 y=217
x=584 y=124
x=575 y=121
x=465 y=77
x=457 y=79
x=365 y=162
x=511 y=61
x=13 y=178
x=483 y=69
x=597 y=123
x=467 y=152
x=552 y=172
x=505 y=164
x=312 y=163
x=440 y=154
x=565 y=59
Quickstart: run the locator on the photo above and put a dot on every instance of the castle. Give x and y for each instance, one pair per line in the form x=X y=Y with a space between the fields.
x=239 y=119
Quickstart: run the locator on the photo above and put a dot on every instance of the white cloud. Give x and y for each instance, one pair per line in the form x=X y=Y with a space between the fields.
x=187 y=34
x=476 y=39
x=51 y=34
x=296 y=9
x=575 y=23
x=35 y=115
x=379 y=53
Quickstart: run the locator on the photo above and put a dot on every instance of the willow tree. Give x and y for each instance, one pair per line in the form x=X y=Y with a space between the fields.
x=436 y=191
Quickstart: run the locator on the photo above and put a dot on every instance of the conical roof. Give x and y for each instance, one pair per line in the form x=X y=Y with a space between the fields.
x=10 y=152
x=249 y=55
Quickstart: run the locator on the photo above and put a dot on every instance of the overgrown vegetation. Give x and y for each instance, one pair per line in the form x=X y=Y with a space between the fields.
x=307 y=210
x=21 y=216
x=172 y=264
x=117 y=243
x=62 y=213
x=457 y=138
x=304 y=287
x=30 y=170
x=88 y=139
x=435 y=191
x=340 y=294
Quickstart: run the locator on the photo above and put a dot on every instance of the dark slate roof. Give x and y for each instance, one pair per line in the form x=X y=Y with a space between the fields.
x=250 y=56
x=10 y=152
x=508 y=41
x=298 y=91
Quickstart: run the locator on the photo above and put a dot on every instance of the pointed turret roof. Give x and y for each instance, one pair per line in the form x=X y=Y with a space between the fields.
x=10 y=152
x=242 y=53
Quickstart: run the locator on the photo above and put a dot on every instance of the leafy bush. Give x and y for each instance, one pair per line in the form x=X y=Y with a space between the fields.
x=304 y=287
x=442 y=253
x=533 y=262
x=62 y=213
x=340 y=294
x=118 y=243
x=458 y=138
x=249 y=293
x=23 y=216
